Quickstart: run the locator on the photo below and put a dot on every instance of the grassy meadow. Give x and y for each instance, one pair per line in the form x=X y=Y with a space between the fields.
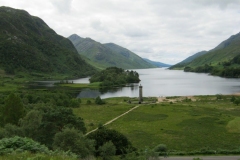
x=183 y=124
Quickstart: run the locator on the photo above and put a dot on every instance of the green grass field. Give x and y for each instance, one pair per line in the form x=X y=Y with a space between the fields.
x=182 y=125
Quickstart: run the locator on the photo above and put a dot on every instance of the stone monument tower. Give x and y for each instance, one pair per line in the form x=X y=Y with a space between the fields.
x=140 y=94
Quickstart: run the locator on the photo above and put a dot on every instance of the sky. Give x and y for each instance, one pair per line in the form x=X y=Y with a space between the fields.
x=167 y=31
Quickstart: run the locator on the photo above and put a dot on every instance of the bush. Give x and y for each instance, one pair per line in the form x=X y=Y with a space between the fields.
x=107 y=150
x=160 y=148
x=99 y=101
x=103 y=135
x=74 y=141
x=9 y=145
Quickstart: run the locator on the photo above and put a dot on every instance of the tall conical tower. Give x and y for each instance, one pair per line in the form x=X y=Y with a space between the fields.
x=140 y=94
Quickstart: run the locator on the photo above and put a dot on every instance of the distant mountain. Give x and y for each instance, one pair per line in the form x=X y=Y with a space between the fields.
x=27 y=44
x=158 y=64
x=188 y=60
x=107 y=55
x=224 y=52
x=223 y=60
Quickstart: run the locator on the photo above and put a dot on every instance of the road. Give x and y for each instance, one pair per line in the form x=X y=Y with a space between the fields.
x=203 y=158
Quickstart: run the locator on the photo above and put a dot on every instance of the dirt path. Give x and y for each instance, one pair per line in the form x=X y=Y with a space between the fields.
x=181 y=98
x=114 y=119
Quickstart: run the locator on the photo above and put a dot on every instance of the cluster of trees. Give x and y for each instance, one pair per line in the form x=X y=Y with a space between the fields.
x=200 y=69
x=49 y=126
x=114 y=76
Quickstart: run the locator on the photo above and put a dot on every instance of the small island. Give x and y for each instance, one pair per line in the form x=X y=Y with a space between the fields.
x=114 y=76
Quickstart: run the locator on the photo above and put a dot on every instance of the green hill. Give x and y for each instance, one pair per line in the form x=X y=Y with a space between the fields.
x=225 y=51
x=188 y=60
x=223 y=60
x=28 y=45
x=158 y=64
x=108 y=55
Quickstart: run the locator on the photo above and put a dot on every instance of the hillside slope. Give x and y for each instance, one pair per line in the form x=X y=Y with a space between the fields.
x=188 y=60
x=224 y=52
x=223 y=60
x=158 y=64
x=28 y=45
x=107 y=55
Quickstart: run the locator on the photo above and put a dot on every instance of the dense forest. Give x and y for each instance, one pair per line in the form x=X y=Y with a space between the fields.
x=114 y=76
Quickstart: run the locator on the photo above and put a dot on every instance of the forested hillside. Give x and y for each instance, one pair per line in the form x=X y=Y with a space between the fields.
x=188 y=60
x=221 y=61
x=27 y=44
x=108 y=55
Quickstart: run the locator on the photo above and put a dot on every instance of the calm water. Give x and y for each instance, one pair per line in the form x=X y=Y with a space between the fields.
x=163 y=82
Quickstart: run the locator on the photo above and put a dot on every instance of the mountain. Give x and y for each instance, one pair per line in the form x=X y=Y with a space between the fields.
x=158 y=64
x=188 y=60
x=27 y=44
x=107 y=55
x=224 y=52
x=223 y=60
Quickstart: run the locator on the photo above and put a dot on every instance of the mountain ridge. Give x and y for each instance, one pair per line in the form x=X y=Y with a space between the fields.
x=158 y=64
x=108 y=55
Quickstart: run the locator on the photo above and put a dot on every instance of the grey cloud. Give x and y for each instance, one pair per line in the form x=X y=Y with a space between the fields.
x=164 y=30
x=63 y=6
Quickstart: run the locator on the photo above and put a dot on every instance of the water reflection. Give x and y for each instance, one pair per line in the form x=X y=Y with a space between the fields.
x=161 y=82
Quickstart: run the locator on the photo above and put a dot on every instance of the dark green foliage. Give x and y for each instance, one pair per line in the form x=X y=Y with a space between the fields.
x=236 y=101
x=74 y=141
x=31 y=123
x=11 y=130
x=188 y=69
x=99 y=101
x=114 y=76
x=219 y=96
x=107 y=150
x=9 y=145
x=54 y=120
x=160 y=148
x=12 y=110
x=27 y=44
x=233 y=98
x=75 y=102
x=104 y=135
x=89 y=102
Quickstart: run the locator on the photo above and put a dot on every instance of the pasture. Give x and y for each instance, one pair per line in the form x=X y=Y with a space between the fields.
x=182 y=123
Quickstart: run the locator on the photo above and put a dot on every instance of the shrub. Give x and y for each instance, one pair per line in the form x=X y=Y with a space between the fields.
x=107 y=150
x=103 y=135
x=160 y=148
x=9 y=145
x=99 y=101
x=74 y=141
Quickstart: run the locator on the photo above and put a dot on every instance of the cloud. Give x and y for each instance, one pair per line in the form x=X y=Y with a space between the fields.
x=164 y=30
x=63 y=6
